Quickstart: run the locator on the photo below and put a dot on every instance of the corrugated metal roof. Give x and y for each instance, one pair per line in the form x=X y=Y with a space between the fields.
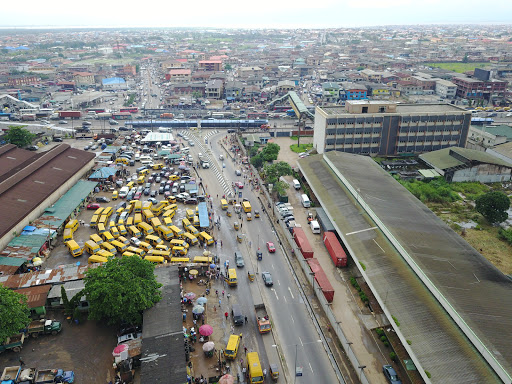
x=71 y=287
x=48 y=276
x=12 y=261
x=444 y=159
x=36 y=296
x=103 y=173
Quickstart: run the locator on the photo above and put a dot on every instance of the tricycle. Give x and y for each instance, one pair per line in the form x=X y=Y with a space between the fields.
x=236 y=225
x=251 y=275
x=259 y=254
x=274 y=372
x=239 y=238
x=228 y=213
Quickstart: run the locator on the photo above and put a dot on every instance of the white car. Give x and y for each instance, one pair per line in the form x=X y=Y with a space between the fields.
x=135 y=241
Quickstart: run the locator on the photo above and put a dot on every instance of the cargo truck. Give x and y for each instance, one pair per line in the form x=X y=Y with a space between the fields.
x=167 y=116
x=262 y=318
x=47 y=376
x=70 y=114
x=14 y=342
x=338 y=255
x=44 y=327
x=10 y=375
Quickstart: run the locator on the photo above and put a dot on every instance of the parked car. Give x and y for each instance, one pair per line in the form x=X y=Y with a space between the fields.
x=93 y=206
x=135 y=241
x=239 y=260
x=190 y=200
x=102 y=199
x=128 y=337
x=390 y=374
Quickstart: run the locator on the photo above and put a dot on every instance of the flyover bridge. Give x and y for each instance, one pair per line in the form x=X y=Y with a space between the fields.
x=301 y=111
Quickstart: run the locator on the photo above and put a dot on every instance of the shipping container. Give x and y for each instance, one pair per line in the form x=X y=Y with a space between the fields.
x=338 y=255
x=71 y=114
x=321 y=279
x=302 y=242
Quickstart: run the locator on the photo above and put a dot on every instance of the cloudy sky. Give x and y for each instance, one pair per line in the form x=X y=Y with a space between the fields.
x=255 y=14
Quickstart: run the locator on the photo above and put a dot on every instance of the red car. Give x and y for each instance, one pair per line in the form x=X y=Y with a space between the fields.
x=239 y=185
x=93 y=206
x=137 y=196
x=270 y=247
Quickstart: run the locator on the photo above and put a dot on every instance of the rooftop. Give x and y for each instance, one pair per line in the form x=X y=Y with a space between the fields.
x=458 y=157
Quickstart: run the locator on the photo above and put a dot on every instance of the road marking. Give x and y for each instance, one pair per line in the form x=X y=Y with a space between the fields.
x=293 y=320
x=362 y=230
x=310 y=367
x=301 y=341
x=278 y=283
x=272 y=265
x=284 y=297
x=291 y=294
x=378 y=245
x=275 y=293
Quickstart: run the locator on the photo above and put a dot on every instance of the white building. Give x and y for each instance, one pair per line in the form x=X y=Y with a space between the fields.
x=446 y=89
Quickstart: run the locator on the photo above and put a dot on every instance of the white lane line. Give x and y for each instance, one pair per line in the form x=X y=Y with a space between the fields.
x=275 y=294
x=301 y=343
x=278 y=283
x=293 y=320
x=362 y=230
x=284 y=298
x=310 y=367
x=378 y=245
x=291 y=293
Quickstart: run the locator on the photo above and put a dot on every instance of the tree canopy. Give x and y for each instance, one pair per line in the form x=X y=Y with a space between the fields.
x=268 y=153
x=121 y=289
x=274 y=171
x=19 y=136
x=493 y=206
x=14 y=313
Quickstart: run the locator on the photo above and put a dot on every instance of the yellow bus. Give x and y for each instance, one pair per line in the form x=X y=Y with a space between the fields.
x=128 y=254
x=155 y=259
x=189 y=238
x=145 y=246
x=122 y=230
x=192 y=230
x=254 y=368
x=157 y=209
x=148 y=215
x=107 y=236
x=119 y=211
x=165 y=254
x=196 y=221
x=97 y=259
x=115 y=232
x=146 y=228
x=172 y=199
x=138 y=251
x=101 y=228
x=178 y=243
x=206 y=238
x=137 y=219
x=72 y=224
x=165 y=232
x=134 y=231
x=119 y=246
x=185 y=222
x=115 y=195
x=232 y=346
x=94 y=237
x=141 y=180
x=120 y=222
x=179 y=251
x=167 y=221
x=180 y=259
x=137 y=206
x=99 y=211
x=103 y=220
x=189 y=213
x=130 y=185
x=155 y=222
x=129 y=221
x=223 y=204
x=94 y=221
x=129 y=208
x=246 y=206
x=108 y=247
x=169 y=214
x=177 y=232
x=104 y=253
x=147 y=205
x=172 y=207
x=231 y=278
x=203 y=259
x=74 y=248
x=67 y=235
x=108 y=211
x=91 y=247
x=153 y=240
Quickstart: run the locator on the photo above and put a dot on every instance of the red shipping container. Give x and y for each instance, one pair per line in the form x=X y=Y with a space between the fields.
x=302 y=242
x=314 y=264
x=338 y=255
x=321 y=279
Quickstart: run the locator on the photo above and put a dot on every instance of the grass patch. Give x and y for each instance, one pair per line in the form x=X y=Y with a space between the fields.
x=458 y=67
x=300 y=148
x=496 y=251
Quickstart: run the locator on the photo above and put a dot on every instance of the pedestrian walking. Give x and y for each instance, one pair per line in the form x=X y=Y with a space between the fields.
x=228 y=296
x=245 y=319
x=245 y=349
x=221 y=243
x=226 y=315
x=222 y=293
x=220 y=302
x=232 y=329
x=217 y=292
x=22 y=363
x=264 y=373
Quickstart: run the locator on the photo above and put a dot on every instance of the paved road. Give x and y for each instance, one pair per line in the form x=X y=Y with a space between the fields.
x=297 y=335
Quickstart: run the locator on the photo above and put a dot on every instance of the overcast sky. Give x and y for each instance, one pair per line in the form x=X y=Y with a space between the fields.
x=254 y=14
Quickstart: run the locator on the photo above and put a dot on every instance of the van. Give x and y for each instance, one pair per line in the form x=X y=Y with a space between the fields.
x=246 y=206
x=145 y=246
x=146 y=228
x=304 y=199
x=94 y=237
x=74 y=248
x=231 y=278
x=155 y=222
x=177 y=232
x=123 y=240
x=179 y=251
x=137 y=251
x=223 y=204
x=108 y=212
x=174 y=177
x=141 y=180
x=115 y=232
x=237 y=315
x=155 y=259
x=143 y=172
x=178 y=243
x=107 y=236
x=101 y=228
x=169 y=214
x=148 y=215
x=185 y=150
x=185 y=223
x=122 y=230
x=119 y=246
x=104 y=253
x=315 y=227
x=172 y=199
x=108 y=247
x=167 y=221
x=189 y=214
x=180 y=259
x=134 y=231
x=128 y=254
x=232 y=347
x=203 y=259
x=165 y=254
x=67 y=235
x=190 y=238
x=115 y=194
x=137 y=219
x=192 y=230
x=129 y=222
x=96 y=259
x=94 y=221
x=206 y=238
x=72 y=224
x=154 y=240
x=296 y=184
x=172 y=207
x=165 y=232
x=99 y=211
x=91 y=247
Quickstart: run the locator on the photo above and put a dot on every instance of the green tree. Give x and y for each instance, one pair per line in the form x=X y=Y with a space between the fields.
x=14 y=312
x=19 y=136
x=465 y=59
x=281 y=187
x=257 y=161
x=274 y=171
x=493 y=206
x=228 y=67
x=270 y=152
x=121 y=289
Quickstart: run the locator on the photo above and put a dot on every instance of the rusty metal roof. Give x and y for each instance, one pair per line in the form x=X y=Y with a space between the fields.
x=36 y=296
x=62 y=274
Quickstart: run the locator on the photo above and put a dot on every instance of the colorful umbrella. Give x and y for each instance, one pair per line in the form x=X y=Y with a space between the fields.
x=193 y=272
x=202 y=300
x=209 y=346
x=119 y=349
x=227 y=379
x=205 y=330
x=198 y=309
x=213 y=266
x=190 y=295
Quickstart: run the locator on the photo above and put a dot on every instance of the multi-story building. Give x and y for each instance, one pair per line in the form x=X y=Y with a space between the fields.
x=233 y=90
x=384 y=128
x=210 y=65
x=446 y=89
x=470 y=88
x=83 y=78
x=17 y=81
x=214 y=89
x=178 y=75
x=188 y=89
x=330 y=92
x=353 y=91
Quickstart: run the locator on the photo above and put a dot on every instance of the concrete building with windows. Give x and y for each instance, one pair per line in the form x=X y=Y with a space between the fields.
x=385 y=128
x=446 y=89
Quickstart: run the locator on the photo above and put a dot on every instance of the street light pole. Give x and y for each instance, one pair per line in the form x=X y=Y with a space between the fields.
x=295 y=374
x=361 y=371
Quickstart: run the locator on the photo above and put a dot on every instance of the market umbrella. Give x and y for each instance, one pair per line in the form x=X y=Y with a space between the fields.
x=182 y=167
x=198 y=309
x=227 y=379
x=206 y=330
x=190 y=295
x=202 y=300
x=213 y=266
x=37 y=261
x=193 y=272
x=209 y=346
x=119 y=349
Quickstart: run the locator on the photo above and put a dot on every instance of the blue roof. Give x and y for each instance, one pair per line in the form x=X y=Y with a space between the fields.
x=204 y=221
x=103 y=173
x=114 y=80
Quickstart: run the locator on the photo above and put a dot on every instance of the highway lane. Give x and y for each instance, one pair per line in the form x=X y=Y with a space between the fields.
x=293 y=324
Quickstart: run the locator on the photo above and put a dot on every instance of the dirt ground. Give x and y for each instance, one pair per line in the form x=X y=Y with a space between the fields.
x=85 y=348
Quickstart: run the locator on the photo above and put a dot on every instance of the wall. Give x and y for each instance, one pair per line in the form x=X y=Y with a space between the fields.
x=483 y=173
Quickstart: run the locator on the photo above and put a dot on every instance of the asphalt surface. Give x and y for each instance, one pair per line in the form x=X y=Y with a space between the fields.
x=298 y=339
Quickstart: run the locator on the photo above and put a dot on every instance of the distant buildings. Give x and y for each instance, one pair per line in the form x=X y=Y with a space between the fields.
x=114 y=83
